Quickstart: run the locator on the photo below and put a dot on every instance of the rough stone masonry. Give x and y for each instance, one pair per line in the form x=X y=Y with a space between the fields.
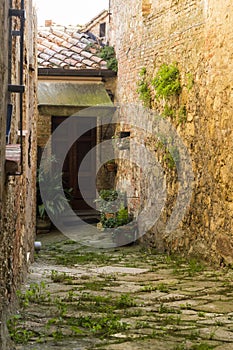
x=197 y=37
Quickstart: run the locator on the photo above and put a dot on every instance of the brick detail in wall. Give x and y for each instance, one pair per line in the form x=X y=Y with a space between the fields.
x=146 y=7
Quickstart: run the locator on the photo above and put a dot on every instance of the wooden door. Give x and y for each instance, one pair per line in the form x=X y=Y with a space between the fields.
x=71 y=167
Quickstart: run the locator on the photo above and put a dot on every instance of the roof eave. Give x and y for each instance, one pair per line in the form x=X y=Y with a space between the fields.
x=76 y=72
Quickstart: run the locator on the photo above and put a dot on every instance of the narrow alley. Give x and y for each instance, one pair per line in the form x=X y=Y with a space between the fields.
x=123 y=121
x=124 y=298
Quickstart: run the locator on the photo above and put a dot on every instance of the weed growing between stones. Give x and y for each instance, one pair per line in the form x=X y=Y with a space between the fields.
x=76 y=256
x=160 y=287
x=201 y=346
x=182 y=266
x=63 y=324
x=36 y=293
x=84 y=308
x=62 y=277
x=17 y=332
x=97 y=285
x=163 y=309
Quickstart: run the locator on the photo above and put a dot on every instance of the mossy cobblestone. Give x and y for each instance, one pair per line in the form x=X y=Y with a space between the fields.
x=124 y=298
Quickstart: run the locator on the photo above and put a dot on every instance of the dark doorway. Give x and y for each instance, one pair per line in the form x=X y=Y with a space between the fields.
x=71 y=167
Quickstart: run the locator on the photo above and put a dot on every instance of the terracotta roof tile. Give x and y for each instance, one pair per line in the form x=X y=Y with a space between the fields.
x=72 y=41
x=47 y=64
x=40 y=59
x=86 y=54
x=44 y=56
x=97 y=59
x=60 y=56
x=81 y=45
x=77 y=58
x=60 y=34
x=77 y=35
x=85 y=41
x=58 y=40
x=55 y=61
x=49 y=51
x=70 y=61
x=66 y=44
x=56 y=48
x=76 y=49
x=67 y=53
x=80 y=65
x=88 y=62
x=64 y=65
x=68 y=48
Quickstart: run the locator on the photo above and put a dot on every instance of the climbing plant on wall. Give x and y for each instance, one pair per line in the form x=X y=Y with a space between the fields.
x=167 y=81
x=163 y=90
x=143 y=88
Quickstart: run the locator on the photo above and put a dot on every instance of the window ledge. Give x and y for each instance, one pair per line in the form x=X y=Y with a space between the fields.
x=13 y=159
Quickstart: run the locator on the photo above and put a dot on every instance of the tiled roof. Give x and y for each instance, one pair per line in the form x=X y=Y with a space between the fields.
x=68 y=48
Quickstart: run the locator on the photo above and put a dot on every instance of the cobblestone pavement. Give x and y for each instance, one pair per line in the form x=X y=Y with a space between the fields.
x=121 y=299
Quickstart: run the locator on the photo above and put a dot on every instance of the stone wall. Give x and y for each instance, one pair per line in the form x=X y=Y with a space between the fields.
x=94 y=26
x=197 y=36
x=3 y=88
x=17 y=201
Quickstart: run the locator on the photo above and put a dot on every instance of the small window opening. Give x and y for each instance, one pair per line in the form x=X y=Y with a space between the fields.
x=124 y=134
x=102 y=30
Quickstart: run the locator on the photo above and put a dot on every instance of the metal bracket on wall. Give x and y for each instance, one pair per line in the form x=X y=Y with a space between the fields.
x=16 y=88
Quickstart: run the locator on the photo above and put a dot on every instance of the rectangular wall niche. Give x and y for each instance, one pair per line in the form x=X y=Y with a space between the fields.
x=124 y=140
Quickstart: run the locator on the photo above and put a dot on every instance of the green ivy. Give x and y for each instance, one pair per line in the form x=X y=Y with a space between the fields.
x=167 y=81
x=182 y=114
x=109 y=55
x=143 y=89
x=190 y=81
x=168 y=111
x=166 y=84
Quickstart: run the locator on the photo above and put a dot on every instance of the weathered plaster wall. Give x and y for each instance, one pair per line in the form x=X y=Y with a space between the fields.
x=17 y=203
x=197 y=35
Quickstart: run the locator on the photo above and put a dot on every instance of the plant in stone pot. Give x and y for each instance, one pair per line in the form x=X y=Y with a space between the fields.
x=125 y=231
x=107 y=201
x=108 y=204
x=111 y=165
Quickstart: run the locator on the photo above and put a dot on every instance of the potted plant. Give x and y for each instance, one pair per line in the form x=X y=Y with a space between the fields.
x=108 y=201
x=111 y=165
x=114 y=215
x=108 y=204
x=125 y=231
x=54 y=203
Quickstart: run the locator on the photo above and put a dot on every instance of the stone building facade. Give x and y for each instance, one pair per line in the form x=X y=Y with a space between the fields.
x=99 y=26
x=18 y=120
x=195 y=36
x=72 y=77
